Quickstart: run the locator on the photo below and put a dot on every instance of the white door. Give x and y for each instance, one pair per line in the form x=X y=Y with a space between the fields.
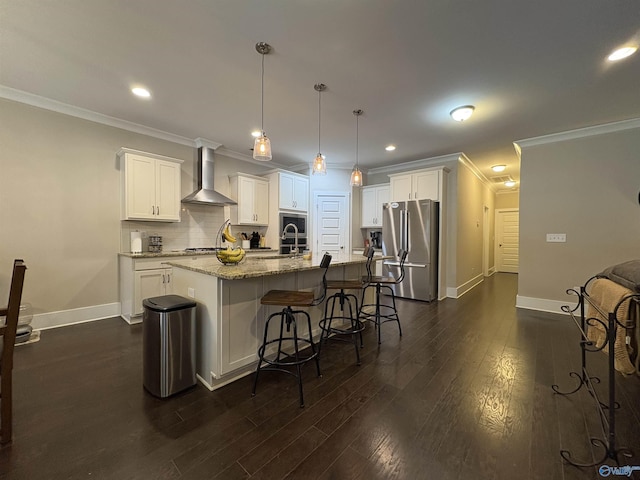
x=331 y=223
x=507 y=240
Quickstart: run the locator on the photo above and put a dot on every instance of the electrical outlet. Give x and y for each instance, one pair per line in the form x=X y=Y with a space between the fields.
x=557 y=237
x=191 y=293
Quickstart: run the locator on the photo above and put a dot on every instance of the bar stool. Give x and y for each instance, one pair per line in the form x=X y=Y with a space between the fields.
x=282 y=360
x=342 y=325
x=377 y=312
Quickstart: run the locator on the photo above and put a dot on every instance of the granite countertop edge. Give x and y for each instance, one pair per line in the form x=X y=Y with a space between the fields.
x=182 y=253
x=253 y=268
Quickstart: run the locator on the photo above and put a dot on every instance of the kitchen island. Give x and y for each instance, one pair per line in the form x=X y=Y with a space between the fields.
x=230 y=319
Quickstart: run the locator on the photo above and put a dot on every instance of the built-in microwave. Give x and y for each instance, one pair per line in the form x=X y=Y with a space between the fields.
x=298 y=219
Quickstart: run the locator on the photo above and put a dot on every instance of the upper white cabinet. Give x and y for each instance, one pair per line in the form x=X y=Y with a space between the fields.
x=252 y=195
x=150 y=186
x=417 y=185
x=372 y=199
x=292 y=190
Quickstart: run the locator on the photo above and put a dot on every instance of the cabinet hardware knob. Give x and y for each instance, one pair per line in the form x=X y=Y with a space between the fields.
x=158 y=210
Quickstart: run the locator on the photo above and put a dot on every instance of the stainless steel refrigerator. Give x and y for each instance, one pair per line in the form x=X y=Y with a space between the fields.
x=412 y=226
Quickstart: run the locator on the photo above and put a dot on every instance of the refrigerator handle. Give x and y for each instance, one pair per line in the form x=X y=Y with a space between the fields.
x=402 y=229
x=407 y=223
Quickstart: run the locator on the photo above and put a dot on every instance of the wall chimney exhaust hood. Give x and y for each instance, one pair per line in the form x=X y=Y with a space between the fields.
x=205 y=193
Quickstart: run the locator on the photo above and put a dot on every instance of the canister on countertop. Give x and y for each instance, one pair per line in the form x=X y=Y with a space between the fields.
x=136 y=242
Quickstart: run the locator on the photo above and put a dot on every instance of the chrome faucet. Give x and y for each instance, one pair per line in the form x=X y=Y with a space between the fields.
x=294 y=249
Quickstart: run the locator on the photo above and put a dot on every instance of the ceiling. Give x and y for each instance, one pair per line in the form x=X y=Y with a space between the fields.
x=530 y=68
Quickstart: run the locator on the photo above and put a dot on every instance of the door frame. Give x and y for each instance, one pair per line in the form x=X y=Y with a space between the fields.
x=314 y=215
x=496 y=249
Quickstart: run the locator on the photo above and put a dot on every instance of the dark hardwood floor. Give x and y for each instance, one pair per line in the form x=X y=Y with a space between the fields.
x=464 y=394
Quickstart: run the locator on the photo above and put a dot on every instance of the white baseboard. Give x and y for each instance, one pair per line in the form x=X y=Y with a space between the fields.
x=542 y=304
x=43 y=321
x=457 y=292
x=491 y=271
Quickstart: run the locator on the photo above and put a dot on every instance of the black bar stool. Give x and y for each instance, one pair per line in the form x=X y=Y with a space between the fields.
x=282 y=360
x=339 y=326
x=379 y=313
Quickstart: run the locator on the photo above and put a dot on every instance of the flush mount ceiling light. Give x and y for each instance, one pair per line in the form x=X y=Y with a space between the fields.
x=319 y=165
x=356 y=174
x=141 y=92
x=510 y=183
x=262 y=144
x=621 y=53
x=499 y=168
x=461 y=114
x=390 y=148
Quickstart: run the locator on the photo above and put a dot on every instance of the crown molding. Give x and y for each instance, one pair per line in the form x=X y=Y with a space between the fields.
x=415 y=164
x=66 y=109
x=579 y=133
x=462 y=158
x=203 y=142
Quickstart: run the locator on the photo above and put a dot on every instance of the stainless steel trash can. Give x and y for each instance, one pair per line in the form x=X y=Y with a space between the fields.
x=168 y=339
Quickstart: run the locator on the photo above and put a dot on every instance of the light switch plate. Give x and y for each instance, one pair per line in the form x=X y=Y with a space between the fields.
x=557 y=237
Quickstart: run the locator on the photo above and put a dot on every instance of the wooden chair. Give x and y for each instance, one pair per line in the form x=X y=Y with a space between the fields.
x=283 y=361
x=8 y=333
x=377 y=312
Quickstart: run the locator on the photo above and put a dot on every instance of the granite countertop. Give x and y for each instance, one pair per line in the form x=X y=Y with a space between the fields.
x=181 y=253
x=252 y=267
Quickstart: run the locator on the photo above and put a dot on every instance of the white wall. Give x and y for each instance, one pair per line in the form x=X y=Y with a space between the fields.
x=586 y=187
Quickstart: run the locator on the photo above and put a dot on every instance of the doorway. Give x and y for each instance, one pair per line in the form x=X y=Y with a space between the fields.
x=331 y=222
x=507 y=240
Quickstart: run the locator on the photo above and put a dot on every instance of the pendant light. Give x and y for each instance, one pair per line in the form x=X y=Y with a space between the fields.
x=356 y=174
x=262 y=144
x=319 y=165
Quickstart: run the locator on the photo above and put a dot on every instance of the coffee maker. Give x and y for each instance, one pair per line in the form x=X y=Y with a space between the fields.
x=376 y=239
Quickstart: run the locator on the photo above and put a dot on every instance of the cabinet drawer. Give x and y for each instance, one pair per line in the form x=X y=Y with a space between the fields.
x=152 y=263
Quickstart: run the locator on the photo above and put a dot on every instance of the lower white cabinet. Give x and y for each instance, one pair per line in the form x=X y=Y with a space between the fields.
x=142 y=278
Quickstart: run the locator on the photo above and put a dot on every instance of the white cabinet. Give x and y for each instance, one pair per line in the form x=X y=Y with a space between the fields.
x=372 y=199
x=150 y=186
x=417 y=185
x=142 y=278
x=252 y=195
x=292 y=189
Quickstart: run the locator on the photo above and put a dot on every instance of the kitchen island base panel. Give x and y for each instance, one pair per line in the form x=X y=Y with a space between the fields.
x=230 y=319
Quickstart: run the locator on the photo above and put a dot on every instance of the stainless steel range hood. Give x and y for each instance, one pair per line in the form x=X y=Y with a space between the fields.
x=205 y=194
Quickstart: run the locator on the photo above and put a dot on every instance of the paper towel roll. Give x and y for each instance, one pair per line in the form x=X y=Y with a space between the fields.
x=136 y=242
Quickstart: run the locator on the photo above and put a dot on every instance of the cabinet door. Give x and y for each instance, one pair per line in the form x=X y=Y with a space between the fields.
x=246 y=200
x=286 y=191
x=382 y=197
x=401 y=188
x=369 y=207
x=167 y=190
x=427 y=186
x=140 y=187
x=300 y=194
x=147 y=284
x=261 y=202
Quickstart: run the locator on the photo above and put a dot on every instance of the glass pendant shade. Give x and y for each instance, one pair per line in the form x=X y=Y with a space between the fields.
x=356 y=177
x=319 y=165
x=262 y=148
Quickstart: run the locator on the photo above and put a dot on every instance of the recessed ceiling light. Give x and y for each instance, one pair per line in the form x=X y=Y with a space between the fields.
x=499 y=168
x=510 y=183
x=621 y=53
x=256 y=133
x=390 y=148
x=141 y=92
x=461 y=114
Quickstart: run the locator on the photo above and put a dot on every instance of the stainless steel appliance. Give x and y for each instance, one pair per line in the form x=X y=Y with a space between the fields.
x=376 y=239
x=288 y=238
x=412 y=226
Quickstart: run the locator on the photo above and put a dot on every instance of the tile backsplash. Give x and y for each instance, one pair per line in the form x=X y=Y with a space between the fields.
x=198 y=228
